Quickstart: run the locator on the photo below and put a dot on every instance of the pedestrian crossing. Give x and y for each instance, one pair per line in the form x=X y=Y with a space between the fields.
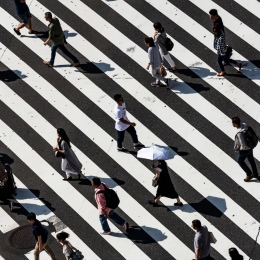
x=192 y=118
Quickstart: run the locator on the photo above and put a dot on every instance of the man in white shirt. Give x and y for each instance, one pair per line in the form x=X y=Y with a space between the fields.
x=123 y=123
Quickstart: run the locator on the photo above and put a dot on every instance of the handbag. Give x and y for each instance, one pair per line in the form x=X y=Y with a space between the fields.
x=59 y=154
x=212 y=239
x=162 y=71
x=77 y=255
x=155 y=181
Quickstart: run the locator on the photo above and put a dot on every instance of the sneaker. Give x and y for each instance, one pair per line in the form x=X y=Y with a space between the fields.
x=156 y=84
x=75 y=64
x=105 y=233
x=17 y=32
x=138 y=146
x=248 y=178
x=168 y=82
x=47 y=63
x=126 y=226
x=122 y=150
x=178 y=204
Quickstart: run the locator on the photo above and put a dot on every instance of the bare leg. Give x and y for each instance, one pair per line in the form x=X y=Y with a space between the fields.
x=29 y=25
x=20 y=26
x=157 y=200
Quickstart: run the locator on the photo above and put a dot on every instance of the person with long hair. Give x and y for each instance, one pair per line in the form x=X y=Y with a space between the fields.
x=165 y=185
x=155 y=61
x=159 y=37
x=69 y=162
x=234 y=254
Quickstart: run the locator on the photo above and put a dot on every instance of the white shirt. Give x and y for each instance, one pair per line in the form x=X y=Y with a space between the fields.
x=120 y=112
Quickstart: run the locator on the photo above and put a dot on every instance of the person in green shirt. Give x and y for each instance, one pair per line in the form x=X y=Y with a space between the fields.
x=56 y=35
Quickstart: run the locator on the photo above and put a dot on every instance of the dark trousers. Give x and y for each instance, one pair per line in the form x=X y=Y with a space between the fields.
x=247 y=154
x=64 y=50
x=220 y=59
x=121 y=136
x=207 y=258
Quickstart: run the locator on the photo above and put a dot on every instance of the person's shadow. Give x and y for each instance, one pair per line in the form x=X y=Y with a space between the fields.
x=4 y=158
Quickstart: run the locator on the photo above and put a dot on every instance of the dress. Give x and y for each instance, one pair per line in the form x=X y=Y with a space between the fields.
x=165 y=185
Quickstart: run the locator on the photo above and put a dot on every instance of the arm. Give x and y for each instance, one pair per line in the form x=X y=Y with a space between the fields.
x=40 y=243
x=101 y=201
x=126 y=122
x=47 y=41
x=197 y=253
x=150 y=56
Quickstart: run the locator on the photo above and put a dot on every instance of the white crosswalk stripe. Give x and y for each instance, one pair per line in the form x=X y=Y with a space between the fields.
x=219 y=208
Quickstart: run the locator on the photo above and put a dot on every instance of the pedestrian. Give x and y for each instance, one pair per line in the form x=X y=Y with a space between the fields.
x=56 y=35
x=244 y=152
x=159 y=39
x=70 y=164
x=234 y=254
x=123 y=124
x=67 y=249
x=213 y=14
x=221 y=47
x=201 y=241
x=23 y=12
x=41 y=236
x=155 y=61
x=103 y=211
x=165 y=185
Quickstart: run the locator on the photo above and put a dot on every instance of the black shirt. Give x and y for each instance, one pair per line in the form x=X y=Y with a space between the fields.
x=39 y=230
x=220 y=24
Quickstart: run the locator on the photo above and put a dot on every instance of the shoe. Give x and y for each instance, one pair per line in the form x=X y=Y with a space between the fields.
x=156 y=84
x=122 y=150
x=17 y=32
x=67 y=179
x=79 y=176
x=32 y=32
x=172 y=69
x=221 y=74
x=126 y=226
x=138 y=146
x=75 y=64
x=248 y=178
x=105 y=233
x=47 y=63
x=151 y=202
x=178 y=204
x=239 y=66
x=168 y=82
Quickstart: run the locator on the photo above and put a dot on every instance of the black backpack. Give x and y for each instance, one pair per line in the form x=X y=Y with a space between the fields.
x=168 y=44
x=251 y=139
x=112 y=200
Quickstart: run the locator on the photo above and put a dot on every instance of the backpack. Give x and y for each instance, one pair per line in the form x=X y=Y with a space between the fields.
x=251 y=139
x=168 y=44
x=112 y=200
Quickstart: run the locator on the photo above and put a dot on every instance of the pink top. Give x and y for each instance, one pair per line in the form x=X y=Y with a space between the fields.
x=101 y=200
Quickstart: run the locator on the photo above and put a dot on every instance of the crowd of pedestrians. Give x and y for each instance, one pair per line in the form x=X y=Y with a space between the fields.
x=158 y=50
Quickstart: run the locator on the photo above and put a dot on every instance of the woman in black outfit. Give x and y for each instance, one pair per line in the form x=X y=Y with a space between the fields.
x=165 y=185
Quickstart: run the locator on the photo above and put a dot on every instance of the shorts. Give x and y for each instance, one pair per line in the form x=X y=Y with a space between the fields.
x=25 y=16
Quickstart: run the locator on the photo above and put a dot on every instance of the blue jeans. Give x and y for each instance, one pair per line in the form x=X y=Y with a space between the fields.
x=121 y=136
x=64 y=50
x=113 y=216
x=220 y=59
x=243 y=154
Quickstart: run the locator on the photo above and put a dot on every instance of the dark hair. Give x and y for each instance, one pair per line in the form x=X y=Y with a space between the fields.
x=162 y=162
x=48 y=15
x=158 y=27
x=62 y=235
x=234 y=254
x=149 y=41
x=213 y=12
x=196 y=223
x=31 y=216
x=236 y=120
x=117 y=97
x=96 y=181
x=63 y=136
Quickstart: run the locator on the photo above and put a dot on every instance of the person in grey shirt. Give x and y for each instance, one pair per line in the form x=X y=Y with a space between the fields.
x=159 y=39
x=201 y=241
x=155 y=62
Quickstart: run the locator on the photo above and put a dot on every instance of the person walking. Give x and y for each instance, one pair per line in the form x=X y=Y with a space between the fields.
x=70 y=164
x=23 y=12
x=213 y=14
x=244 y=152
x=233 y=253
x=159 y=37
x=221 y=47
x=56 y=35
x=165 y=185
x=123 y=124
x=103 y=210
x=201 y=241
x=155 y=61
x=67 y=248
x=41 y=236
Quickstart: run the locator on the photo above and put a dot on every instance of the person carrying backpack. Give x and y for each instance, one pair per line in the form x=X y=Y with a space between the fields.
x=165 y=45
x=107 y=201
x=245 y=141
